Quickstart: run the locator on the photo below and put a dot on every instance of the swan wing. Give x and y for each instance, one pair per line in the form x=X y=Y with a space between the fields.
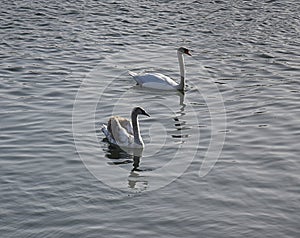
x=156 y=81
x=120 y=133
x=126 y=124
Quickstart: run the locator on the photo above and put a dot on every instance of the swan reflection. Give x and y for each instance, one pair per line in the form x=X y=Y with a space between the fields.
x=179 y=123
x=137 y=182
x=119 y=157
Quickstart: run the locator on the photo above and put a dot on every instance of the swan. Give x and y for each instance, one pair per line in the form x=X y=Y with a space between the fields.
x=123 y=132
x=160 y=81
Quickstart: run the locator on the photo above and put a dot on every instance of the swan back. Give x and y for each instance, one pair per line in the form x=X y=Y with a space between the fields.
x=154 y=81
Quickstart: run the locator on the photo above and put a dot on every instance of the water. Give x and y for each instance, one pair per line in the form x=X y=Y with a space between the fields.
x=64 y=72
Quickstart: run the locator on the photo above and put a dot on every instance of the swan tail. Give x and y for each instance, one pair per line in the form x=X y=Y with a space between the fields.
x=104 y=130
x=133 y=74
x=107 y=134
x=135 y=77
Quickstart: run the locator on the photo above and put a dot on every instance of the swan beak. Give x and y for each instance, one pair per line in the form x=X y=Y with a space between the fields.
x=189 y=53
x=146 y=114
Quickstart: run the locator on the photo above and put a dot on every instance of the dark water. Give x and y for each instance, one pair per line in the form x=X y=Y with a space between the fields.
x=64 y=72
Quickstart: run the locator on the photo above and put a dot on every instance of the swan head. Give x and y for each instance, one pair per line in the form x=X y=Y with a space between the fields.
x=139 y=111
x=183 y=50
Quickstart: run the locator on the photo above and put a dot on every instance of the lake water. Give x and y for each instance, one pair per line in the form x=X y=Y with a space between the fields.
x=222 y=160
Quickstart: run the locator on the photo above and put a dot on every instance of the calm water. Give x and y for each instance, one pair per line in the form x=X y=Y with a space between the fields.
x=64 y=73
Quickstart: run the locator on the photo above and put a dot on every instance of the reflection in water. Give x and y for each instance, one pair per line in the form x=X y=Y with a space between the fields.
x=180 y=125
x=136 y=181
x=119 y=157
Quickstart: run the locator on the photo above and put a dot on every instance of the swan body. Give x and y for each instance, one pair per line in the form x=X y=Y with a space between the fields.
x=154 y=81
x=123 y=132
x=160 y=81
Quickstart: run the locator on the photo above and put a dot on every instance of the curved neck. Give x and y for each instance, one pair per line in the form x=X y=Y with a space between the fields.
x=182 y=70
x=136 y=130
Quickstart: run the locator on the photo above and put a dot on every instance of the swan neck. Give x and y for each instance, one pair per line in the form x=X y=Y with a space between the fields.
x=182 y=70
x=136 y=129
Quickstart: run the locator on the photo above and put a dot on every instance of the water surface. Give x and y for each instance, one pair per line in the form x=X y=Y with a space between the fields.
x=64 y=72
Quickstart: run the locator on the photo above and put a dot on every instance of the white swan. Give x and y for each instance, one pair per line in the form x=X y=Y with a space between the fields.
x=122 y=132
x=160 y=81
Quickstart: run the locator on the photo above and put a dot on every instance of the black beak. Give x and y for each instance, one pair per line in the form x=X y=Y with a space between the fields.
x=146 y=114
